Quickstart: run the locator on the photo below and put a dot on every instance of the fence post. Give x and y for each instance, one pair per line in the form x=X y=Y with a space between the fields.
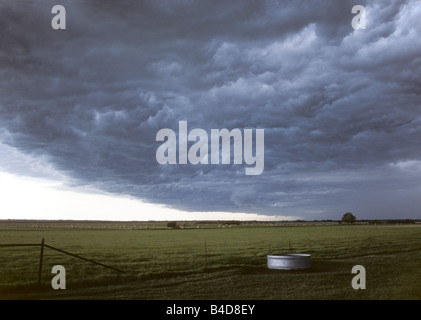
x=270 y=247
x=347 y=246
x=204 y=257
x=41 y=256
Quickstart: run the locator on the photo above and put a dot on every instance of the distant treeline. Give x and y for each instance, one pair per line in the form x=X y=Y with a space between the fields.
x=178 y=225
x=219 y=222
x=393 y=221
x=173 y=224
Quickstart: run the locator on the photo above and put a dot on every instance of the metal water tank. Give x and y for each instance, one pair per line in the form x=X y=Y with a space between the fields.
x=289 y=261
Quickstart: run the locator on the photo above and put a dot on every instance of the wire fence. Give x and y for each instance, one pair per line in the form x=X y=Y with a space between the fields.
x=43 y=245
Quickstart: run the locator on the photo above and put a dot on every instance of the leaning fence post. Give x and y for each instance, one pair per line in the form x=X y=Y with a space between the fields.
x=41 y=256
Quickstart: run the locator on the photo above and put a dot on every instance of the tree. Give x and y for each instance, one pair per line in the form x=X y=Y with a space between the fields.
x=348 y=218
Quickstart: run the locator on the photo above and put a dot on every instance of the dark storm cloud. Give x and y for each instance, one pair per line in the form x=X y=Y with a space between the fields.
x=340 y=108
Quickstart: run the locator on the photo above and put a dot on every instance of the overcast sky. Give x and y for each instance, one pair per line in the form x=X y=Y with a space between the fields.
x=340 y=108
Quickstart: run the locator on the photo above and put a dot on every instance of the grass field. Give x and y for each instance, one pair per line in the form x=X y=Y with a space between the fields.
x=159 y=263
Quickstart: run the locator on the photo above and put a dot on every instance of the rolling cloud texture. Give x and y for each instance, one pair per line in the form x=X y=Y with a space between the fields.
x=341 y=108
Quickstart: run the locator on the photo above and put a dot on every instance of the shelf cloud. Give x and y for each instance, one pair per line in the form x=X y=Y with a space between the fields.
x=340 y=108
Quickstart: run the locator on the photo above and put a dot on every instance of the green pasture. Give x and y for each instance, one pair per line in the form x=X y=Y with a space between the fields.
x=160 y=263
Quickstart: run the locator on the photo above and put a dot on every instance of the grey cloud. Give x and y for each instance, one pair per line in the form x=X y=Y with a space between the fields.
x=338 y=106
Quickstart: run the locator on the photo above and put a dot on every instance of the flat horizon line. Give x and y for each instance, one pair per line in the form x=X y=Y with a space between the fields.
x=204 y=220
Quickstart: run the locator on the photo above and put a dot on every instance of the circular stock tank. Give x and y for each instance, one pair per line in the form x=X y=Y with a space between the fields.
x=289 y=261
